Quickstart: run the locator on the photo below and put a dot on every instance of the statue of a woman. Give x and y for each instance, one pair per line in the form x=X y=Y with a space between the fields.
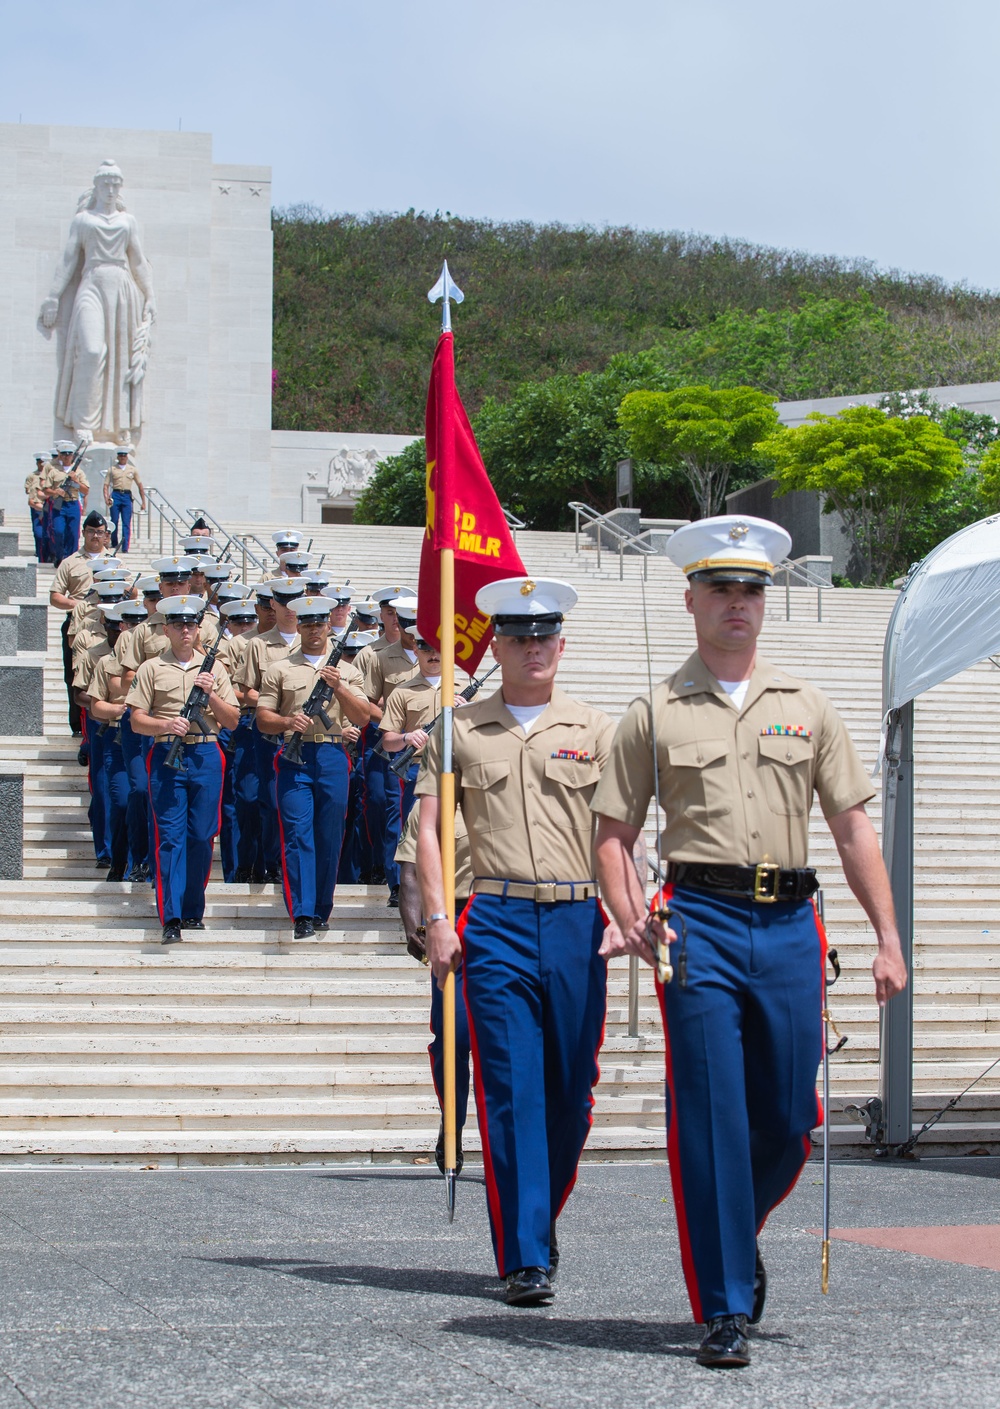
x=106 y=347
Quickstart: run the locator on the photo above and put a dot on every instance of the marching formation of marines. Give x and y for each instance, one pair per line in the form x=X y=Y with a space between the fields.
x=295 y=719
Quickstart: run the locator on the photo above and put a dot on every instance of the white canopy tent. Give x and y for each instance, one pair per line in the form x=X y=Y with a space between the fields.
x=946 y=619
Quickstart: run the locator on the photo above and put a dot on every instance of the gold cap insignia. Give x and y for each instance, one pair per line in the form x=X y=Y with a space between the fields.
x=527 y=588
x=739 y=531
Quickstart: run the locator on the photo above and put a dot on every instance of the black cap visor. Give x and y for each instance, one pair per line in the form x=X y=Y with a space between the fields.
x=758 y=575
x=547 y=625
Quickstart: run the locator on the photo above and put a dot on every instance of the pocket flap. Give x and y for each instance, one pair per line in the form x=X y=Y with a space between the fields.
x=485 y=775
x=572 y=772
x=785 y=748
x=698 y=753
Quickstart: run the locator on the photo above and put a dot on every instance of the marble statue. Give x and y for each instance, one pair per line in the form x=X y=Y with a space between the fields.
x=104 y=289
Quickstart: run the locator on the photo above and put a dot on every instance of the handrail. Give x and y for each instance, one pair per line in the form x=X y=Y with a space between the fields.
x=236 y=543
x=513 y=522
x=169 y=516
x=807 y=578
x=635 y=542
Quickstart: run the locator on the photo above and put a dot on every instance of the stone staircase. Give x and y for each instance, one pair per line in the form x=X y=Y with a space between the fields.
x=242 y=1045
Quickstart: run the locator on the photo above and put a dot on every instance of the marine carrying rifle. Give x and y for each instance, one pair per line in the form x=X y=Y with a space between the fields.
x=78 y=455
x=321 y=695
x=195 y=704
x=401 y=761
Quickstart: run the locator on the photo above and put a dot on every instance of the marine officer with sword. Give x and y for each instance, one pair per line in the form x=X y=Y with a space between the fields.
x=738 y=750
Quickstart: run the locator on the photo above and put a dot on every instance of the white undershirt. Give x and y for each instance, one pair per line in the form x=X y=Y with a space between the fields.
x=736 y=690
x=433 y=681
x=187 y=664
x=411 y=655
x=314 y=660
x=286 y=638
x=527 y=714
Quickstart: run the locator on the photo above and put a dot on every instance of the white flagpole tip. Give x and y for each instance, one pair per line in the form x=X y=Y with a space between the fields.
x=445 y=289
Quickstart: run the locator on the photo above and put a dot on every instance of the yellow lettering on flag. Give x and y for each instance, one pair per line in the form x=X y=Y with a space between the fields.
x=430 y=497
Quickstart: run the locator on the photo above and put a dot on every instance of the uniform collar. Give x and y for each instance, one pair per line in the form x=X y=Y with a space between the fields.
x=559 y=710
x=695 y=678
x=168 y=658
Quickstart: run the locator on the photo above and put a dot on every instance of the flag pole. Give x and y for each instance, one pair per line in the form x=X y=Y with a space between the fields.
x=446 y=290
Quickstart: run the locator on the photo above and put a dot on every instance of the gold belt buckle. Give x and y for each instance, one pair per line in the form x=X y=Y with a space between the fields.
x=545 y=892
x=765 y=882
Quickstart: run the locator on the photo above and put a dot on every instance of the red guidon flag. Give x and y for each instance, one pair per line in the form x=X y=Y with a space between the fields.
x=464 y=513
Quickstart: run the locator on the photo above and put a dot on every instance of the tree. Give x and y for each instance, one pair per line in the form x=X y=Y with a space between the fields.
x=989 y=479
x=551 y=442
x=876 y=470
x=704 y=433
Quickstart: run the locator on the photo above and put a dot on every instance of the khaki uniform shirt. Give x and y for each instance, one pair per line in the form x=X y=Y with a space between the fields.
x=75 y=574
x=288 y=683
x=406 y=851
x=149 y=639
x=33 y=489
x=386 y=669
x=84 y=640
x=85 y=663
x=527 y=809
x=121 y=478
x=85 y=616
x=736 y=790
x=55 y=477
x=162 y=685
x=412 y=706
x=108 y=668
x=262 y=652
x=232 y=650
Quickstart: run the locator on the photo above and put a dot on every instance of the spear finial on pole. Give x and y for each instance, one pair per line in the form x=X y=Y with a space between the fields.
x=446 y=289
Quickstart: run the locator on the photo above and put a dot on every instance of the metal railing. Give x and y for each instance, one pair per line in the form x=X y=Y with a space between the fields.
x=167 y=518
x=804 y=578
x=513 y=522
x=638 y=543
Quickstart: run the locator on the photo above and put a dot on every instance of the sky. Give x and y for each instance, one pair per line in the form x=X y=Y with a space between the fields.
x=856 y=129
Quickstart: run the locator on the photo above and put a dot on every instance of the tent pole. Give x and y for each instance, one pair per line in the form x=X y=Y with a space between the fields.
x=896 y=1060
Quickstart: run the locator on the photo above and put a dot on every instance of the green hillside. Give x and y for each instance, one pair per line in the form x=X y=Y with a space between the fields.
x=353 y=331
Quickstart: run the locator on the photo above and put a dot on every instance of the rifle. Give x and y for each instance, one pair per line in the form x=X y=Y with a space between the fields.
x=194 y=706
x=322 y=694
x=78 y=455
x=401 y=761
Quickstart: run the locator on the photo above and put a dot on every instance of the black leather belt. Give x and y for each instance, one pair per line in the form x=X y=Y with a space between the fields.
x=765 y=882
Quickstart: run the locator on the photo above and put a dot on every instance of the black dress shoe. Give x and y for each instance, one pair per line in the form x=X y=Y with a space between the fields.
x=115 y=875
x=241 y=876
x=304 y=927
x=102 y=863
x=393 y=897
x=320 y=926
x=82 y=757
x=138 y=873
x=192 y=924
x=725 y=1346
x=553 y=1252
x=759 y=1289
x=528 y=1286
x=439 y=1152
x=272 y=878
x=172 y=932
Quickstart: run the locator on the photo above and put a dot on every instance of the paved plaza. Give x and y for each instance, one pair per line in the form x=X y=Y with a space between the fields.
x=347 y=1287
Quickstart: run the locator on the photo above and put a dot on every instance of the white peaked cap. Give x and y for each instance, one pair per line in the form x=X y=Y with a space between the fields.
x=294 y=558
x=148 y=583
x=185 y=607
x=197 y=543
x=405 y=607
x=357 y=640
x=339 y=590
x=173 y=567
x=526 y=597
x=729 y=547
x=239 y=606
x=286 y=535
x=42 y=454
x=65 y=447
x=313 y=606
x=387 y=594
x=111 y=574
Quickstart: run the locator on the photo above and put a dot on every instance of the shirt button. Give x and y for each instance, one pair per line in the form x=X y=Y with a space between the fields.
x=755 y=834
x=531 y=785
x=749 y=792
x=746 y=755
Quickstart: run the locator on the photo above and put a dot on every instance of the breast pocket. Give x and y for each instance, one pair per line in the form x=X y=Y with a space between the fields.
x=702 y=779
x=568 y=787
x=786 y=765
x=488 y=800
